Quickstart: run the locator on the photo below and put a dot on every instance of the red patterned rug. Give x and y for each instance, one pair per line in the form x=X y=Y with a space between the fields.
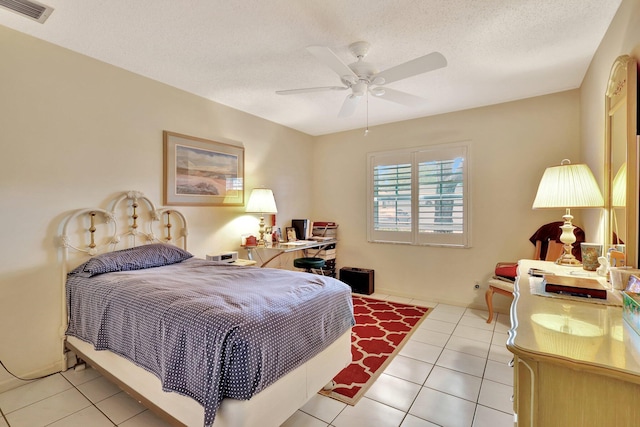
x=382 y=328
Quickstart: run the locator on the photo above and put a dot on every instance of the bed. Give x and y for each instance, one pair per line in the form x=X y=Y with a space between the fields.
x=198 y=342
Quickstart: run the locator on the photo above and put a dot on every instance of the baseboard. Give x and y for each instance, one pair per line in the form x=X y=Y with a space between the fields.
x=10 y=382
x=473 y=305
x=385 y=291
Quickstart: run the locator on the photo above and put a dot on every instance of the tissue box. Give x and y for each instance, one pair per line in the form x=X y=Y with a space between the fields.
x=631 y=310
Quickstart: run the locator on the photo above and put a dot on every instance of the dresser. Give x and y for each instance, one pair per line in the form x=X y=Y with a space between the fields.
x=576 y=361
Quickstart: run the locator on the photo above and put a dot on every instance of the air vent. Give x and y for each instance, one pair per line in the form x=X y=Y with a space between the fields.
x=29 y=9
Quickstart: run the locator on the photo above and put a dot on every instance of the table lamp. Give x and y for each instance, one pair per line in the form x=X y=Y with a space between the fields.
x=568 y=186
x=262 y=202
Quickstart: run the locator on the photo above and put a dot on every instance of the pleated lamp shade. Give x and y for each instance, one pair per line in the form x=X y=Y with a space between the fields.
x=568 y=186
x=262 y=201
x=619 y=187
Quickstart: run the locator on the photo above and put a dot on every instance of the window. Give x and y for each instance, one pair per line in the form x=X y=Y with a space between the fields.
x=419 y=196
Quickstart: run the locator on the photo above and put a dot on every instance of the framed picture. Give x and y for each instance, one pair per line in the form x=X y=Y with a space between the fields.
x=291 y=234
x=200 y=172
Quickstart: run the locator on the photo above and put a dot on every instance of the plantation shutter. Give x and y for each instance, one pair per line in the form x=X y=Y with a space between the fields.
x=391 y=191
x=441 y=190
x=419 y=196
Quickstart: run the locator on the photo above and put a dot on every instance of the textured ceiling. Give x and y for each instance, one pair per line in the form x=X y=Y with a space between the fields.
x=239 y=52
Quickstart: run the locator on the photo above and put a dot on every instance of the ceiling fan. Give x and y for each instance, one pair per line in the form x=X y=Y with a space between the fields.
x=363 y=77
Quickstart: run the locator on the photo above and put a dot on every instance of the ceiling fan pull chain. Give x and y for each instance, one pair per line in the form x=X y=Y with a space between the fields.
x=366 y=131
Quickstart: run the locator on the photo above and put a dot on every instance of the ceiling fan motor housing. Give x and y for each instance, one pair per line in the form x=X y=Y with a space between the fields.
x=359 y=49
x=364 y=70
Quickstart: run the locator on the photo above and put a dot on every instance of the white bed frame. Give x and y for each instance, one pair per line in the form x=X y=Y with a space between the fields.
x=88 y=232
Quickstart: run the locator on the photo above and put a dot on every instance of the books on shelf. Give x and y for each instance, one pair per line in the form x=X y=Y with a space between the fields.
x=327 y=251
x=325 y=224
x=325 y=229
x=574 y=286
x=321 y=238
x=326 y=254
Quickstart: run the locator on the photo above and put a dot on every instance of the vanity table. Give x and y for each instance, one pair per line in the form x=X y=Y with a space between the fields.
x=576 y=361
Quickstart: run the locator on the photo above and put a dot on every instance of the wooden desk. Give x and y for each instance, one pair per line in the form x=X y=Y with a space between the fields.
x=577 y=363
x=278 y=249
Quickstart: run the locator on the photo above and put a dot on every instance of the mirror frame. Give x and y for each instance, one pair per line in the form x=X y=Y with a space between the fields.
x=622 y=93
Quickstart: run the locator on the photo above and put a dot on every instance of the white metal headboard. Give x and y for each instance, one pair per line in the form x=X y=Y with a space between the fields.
x=129 y=220
x=129 y=235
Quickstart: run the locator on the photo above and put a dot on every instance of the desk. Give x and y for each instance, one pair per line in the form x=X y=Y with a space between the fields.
x=577 y=363
x=282 y=248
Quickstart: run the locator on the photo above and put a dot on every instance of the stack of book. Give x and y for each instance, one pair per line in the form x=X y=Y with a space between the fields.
x=574 y=286
x=326 y=230
x=329 y=256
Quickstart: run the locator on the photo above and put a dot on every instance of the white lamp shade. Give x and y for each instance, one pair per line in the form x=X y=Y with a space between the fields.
x=619 y=187
x=262 y=201
x=568 y=186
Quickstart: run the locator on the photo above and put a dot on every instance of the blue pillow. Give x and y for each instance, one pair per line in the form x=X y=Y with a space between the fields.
x=140 y=257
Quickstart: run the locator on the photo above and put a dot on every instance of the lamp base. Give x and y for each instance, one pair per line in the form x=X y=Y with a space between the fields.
x=568 y=238
x=261 y=242
x=568 y=260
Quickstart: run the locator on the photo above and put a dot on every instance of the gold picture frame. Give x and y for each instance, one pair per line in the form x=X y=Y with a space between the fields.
x=201 y=172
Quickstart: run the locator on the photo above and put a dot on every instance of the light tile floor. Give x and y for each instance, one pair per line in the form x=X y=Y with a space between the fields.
x=453 y=372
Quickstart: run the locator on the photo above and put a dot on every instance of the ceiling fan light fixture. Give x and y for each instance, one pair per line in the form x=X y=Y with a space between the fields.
x=360 y=88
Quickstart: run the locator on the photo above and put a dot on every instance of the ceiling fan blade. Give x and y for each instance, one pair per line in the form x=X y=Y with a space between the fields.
x=349 y=105
x=400 y=97
x=331 y=60
x=420 y=65
x=310 y=89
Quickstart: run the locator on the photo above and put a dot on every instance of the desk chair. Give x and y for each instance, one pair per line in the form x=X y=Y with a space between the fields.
x=309 y=264
x=548 y=247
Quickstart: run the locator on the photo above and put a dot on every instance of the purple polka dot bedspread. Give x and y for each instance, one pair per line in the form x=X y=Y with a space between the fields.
x=209 y=330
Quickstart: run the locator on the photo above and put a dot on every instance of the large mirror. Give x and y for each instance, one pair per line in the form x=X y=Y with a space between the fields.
x=621 y=154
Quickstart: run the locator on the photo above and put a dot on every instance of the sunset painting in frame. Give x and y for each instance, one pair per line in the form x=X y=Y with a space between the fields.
x=201 y=172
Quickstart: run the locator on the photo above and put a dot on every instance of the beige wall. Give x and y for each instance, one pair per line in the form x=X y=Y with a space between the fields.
x=74 y=132
x=511 y=145
x=622 y=38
